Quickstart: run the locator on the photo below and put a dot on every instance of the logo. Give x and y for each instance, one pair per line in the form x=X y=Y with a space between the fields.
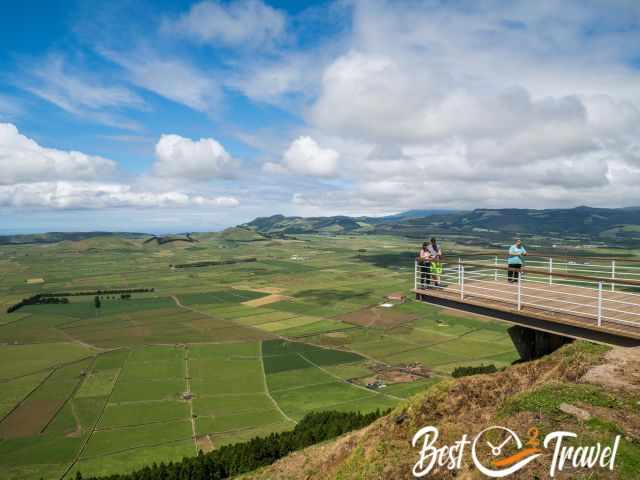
x=498 y=452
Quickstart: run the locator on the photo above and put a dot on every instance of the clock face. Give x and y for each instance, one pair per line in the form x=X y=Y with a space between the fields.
x=498 y=451
x=497 y=443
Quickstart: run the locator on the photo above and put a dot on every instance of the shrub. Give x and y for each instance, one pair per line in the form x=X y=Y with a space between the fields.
x=466 y=371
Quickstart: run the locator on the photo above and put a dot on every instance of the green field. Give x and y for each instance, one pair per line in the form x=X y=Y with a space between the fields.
x=208 y=357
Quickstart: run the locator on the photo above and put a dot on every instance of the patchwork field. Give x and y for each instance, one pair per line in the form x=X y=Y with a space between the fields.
x=211 y=355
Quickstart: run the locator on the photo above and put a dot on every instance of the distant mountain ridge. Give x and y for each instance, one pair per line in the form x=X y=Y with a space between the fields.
x=54 y=237
x=607 y=224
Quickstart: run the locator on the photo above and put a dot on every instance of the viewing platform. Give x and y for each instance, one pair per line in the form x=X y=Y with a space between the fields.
x=592 y=298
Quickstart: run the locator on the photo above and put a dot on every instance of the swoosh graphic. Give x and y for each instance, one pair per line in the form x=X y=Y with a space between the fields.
x=505 y=462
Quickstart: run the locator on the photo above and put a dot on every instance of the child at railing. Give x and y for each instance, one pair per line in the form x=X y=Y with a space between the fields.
x=436 y=261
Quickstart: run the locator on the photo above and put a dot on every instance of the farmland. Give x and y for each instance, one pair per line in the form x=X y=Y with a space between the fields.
x=212 y=355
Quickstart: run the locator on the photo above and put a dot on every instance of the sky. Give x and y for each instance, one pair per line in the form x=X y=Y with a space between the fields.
x=166 y=116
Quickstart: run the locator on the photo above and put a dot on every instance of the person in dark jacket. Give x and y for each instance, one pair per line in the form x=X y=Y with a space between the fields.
x=424 y=265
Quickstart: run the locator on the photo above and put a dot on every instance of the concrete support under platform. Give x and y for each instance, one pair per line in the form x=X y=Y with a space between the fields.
x=532 y=344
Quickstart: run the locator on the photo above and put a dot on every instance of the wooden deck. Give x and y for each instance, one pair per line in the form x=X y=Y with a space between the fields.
x=543 y=303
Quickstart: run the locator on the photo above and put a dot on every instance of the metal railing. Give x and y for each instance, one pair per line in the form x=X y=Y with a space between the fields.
x=602 y=267
x=612 y=296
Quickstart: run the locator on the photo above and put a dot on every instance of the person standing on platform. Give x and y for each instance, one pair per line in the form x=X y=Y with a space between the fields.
x=436 y=261
x=517 y=252
x=424 y=265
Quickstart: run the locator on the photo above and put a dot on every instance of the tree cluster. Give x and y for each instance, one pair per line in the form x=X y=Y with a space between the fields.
x=466 y=371
x=232 y=460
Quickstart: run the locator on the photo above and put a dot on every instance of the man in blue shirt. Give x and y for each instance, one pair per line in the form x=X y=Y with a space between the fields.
x=515 y=261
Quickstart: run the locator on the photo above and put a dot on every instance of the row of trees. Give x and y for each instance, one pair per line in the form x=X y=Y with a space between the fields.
x=57 y=298
x=209 y=263
x=115 y=291
x=36 y=300
x=232 y=460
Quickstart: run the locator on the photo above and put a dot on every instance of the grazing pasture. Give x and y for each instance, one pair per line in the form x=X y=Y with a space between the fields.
x=213 y=355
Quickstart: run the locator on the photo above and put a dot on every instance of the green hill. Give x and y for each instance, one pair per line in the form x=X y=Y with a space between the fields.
x=604 y=224
x=239 y=234
x=279 y=224
x=54 y=237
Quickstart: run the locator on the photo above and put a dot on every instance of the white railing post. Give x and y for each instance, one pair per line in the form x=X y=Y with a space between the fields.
x=613 y=275
x=550 y=270
x=599 y=304
x=415 y=275
x=520 y=291
x=495 y=274
x=461 y=282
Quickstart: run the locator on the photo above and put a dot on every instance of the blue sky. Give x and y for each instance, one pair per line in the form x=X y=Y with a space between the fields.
x=170 y=116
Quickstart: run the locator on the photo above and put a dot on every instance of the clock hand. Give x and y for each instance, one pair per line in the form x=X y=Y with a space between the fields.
x=501 y=446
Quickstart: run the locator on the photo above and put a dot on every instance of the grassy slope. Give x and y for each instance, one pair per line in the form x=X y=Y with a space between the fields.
x=519 y=397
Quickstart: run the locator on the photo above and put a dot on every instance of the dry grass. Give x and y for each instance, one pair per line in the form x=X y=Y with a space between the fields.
x=204 y=443
x=259 y=302
x=259 y=289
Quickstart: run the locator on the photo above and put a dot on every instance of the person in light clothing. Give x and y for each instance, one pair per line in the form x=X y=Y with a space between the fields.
x=517 y=252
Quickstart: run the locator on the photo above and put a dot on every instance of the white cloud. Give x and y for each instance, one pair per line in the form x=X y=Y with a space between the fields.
x=238 y=23
x=305 y=157
x=492 y=105
x=419 y=103
x=32 y=176
x=269 y=82
x=92 y=195
x=79 y=93
x=23 y=160
x=180 y=157
x=174 y=79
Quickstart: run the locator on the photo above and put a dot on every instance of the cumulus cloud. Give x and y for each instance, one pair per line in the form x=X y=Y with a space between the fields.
x=180 y=157
x=305 y=157
x=238 y=23
x=91 y=195
x=23 y=160
x=433 y=99
x=33 y=176
x=418 y=103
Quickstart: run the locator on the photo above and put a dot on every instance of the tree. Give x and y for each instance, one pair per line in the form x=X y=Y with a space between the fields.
x=97 y=302
x=235 y=459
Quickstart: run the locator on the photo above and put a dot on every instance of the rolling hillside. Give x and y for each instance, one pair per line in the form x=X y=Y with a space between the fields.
x=54 y=237
x=580 y=388
x=604 y=224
